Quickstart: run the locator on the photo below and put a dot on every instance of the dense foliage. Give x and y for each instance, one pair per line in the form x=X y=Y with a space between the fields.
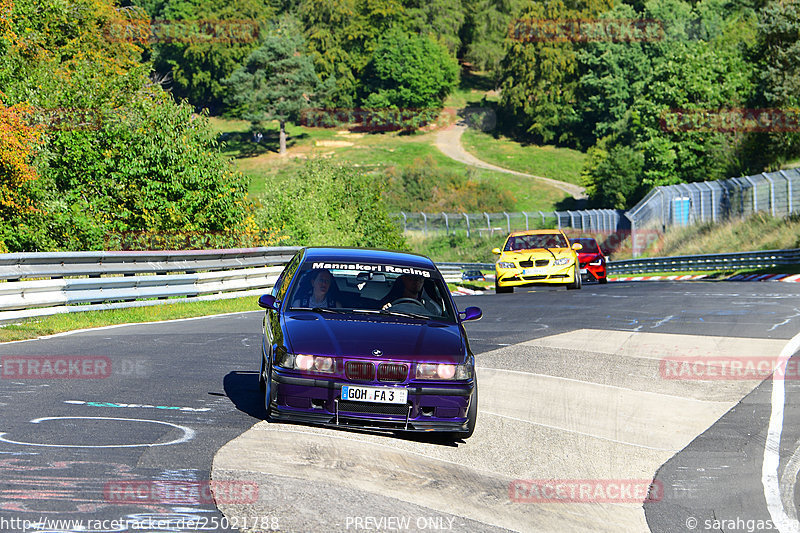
x=422 y=186
x=103 y=130
x=94 y=150
x=332 y=205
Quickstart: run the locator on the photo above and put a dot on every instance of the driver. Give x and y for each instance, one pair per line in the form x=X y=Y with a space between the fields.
x=413 y=288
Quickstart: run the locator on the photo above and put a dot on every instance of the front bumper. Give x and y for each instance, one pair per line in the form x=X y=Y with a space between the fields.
x=593 y=272
x=430 y=406
x=515 y=277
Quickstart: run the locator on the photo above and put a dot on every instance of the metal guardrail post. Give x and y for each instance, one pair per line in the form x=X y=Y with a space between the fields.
x=446 y=223
x=425 y=227
x=488 y=222
x=467 y=217
x=508 y=221
x=405 y=222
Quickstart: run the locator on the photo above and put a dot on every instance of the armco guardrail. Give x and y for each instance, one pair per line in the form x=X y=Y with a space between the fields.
x=40 y=284
x=732 y=261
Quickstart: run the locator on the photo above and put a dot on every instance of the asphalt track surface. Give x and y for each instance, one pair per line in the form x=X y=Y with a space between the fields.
x=572 y=388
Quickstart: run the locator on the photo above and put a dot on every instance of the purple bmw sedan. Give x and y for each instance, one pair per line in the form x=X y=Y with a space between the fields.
x=367 y=338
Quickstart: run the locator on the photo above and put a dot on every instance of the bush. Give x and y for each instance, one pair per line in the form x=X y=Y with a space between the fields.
x=422 y=186
x=329 y=204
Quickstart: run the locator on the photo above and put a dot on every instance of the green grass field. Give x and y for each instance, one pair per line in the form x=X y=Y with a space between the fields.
x=374 y=152
x=562 y=164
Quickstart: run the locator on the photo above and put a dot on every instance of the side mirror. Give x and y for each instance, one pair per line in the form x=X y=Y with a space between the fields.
x=268 y=301
x=496 y=251
x=577 y=246
x=471 y=313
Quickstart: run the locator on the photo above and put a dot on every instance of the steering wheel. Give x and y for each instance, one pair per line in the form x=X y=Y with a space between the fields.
x=408 y=301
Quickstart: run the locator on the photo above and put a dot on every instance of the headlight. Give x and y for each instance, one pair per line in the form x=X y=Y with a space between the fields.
x=562 y=261
x=505 y=265
x=306 y=363
x=444 y=371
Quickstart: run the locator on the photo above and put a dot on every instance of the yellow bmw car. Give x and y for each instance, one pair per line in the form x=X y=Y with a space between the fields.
x=537 y=257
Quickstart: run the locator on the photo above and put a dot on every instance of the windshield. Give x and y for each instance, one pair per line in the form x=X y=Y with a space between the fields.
x=529 y=242
x=372 y=289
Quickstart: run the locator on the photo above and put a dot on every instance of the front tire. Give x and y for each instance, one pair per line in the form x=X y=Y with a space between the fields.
x=472 y=413
x=265 y=384
x=577 y=283
x=502 y=290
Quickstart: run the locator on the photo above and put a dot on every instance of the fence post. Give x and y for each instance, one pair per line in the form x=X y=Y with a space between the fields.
x=713 y=202
x=542 y=218
x=526 y=220
x=771 y=193
x=558 y=218
x=508 y=221
x=467 y=217
x=405 y=220
x=488 y=223
x=789 y=187
x=446 y=223
x=755 y=194
x=425 y=227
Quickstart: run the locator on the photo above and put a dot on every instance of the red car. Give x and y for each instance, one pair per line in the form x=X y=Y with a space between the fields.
x=591 y=260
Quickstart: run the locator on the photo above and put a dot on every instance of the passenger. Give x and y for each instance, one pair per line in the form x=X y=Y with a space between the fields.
x=320 y=294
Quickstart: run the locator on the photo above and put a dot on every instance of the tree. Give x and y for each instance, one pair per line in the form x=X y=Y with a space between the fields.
x=612 y=177
x=440 y=20
x=778 y=66
x=115 y=153
x=17 y=142
x=341 y=36
x=485 y=31
x=212 y=38
x=408 y=72
x=538 y=79
x=277 y=80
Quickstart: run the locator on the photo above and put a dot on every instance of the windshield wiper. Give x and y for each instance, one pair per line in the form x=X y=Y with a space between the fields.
x=403 y=313
x=319 y=310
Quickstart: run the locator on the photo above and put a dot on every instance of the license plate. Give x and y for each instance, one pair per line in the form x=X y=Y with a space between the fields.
x=583 y=271
x=535 y=272
x=378 y=395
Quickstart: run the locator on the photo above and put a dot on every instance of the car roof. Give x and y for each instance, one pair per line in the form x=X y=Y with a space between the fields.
x=367 y=255
x=536 y=232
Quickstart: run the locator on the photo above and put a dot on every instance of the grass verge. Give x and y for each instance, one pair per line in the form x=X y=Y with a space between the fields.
x=36 y=327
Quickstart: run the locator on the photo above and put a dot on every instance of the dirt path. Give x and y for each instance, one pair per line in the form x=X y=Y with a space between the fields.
x=448 y=140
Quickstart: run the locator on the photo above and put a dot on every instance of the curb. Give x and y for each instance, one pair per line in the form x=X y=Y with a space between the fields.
x=691 y=277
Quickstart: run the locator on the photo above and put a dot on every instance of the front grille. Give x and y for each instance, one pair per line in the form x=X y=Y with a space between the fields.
x=534 y=278
x=392 y=372
x=526 y=264
x=359 y=370
x=542 y=262
x=373 y=408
